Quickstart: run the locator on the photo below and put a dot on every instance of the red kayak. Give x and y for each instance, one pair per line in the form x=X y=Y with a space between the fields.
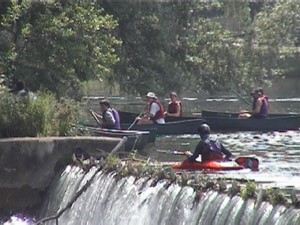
x=238 y=164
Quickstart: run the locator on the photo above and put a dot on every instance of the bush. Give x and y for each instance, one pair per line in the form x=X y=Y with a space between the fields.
x=42 y=115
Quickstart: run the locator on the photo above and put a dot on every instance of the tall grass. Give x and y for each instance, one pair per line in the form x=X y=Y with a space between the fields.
x=42 y=116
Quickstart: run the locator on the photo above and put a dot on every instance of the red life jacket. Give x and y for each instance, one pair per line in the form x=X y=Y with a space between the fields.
x=172 y=107
x=160 y=113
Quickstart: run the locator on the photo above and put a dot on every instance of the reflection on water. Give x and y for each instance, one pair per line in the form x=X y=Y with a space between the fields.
x=278 y=152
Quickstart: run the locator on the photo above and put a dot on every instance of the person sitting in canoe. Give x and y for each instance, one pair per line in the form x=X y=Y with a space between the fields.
x=154 y=112
x=207 y=148
x=174 y=106
x=260 y=106
x=110 y=118
x=265 y=97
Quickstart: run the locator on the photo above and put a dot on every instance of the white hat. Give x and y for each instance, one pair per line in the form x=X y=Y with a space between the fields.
x=151 y=95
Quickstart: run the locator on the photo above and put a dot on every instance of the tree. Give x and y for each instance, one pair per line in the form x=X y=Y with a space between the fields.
x=53 y=46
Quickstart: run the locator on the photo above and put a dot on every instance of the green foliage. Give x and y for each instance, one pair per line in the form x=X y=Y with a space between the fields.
x=142 y=46
x=249 y=190
x=56 y=45
x=197 y=46
x=275 y=196
x=43 y=116
x=148 y=32
x=277 y=36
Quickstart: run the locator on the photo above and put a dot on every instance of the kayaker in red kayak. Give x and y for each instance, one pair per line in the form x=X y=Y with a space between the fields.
x=207 y=148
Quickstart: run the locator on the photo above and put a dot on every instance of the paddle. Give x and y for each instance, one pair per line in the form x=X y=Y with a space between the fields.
x=136 y=119
x=241 y=97
x=95 y=116
x=250 y=162
x=174 y=152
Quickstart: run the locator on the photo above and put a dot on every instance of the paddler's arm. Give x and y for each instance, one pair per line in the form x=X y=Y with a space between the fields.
x=198 y=150
x=225 y=151
x=257 y=106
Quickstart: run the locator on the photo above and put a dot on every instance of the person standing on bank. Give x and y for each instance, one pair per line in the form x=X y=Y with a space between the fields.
x=174 y=106
x=110 y=118
x=207 y=148
x=154 y=112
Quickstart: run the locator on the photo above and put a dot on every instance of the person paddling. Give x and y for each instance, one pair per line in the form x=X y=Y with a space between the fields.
x=207 y=148
x=154 y=113
x=264 y=96
x=260 y=106
x=110 y=118
x=174 y=106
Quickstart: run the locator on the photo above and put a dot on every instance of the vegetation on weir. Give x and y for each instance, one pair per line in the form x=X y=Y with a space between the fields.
x=200 y=182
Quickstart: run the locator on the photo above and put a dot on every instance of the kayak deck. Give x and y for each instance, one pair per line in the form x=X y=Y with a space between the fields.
x=209 y=165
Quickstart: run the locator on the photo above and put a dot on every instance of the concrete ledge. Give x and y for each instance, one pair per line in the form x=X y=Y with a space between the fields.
x=30 y=164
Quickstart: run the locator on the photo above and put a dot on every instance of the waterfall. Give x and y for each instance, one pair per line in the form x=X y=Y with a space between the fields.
x=132 y=201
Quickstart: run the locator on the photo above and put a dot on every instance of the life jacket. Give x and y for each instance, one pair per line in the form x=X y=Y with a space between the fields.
x=117 y=119
x=212 y=151
x=172 y=107
x=160 y=113
x=116 y=116
x=263 y=113
x=267 y=101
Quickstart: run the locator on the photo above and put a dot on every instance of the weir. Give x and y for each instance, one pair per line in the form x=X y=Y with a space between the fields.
x=28 y=165
x=110 y=199
x=131 y=200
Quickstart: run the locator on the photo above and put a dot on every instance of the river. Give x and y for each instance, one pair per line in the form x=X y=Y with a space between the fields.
x=130 y=201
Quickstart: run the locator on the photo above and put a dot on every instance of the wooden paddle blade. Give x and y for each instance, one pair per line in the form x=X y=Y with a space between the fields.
x=248 y=162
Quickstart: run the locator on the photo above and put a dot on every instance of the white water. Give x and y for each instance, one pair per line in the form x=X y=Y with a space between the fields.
x=136 y=202
x=133 y=202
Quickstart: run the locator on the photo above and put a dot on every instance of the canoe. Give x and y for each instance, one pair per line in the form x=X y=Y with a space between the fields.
x=276 y=123
x=238 y=164
x=129 y=117
x=208 y=113
x=136 y=140
x=170 y=128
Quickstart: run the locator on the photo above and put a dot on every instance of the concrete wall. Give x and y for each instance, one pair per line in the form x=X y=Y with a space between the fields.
x=28 y=165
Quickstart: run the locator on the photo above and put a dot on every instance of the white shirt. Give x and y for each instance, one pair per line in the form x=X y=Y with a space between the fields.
x=153 y=110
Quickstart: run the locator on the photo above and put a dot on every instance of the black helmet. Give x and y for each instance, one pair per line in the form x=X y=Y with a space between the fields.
x=204 y=129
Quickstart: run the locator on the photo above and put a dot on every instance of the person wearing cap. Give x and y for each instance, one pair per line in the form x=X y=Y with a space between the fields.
x=207 y=148
x=154 y=113
x=110 y=118
x=174 y=106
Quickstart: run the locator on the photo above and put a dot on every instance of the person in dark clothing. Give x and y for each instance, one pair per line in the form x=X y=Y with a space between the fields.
x=207 y=148
x=260 y=106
